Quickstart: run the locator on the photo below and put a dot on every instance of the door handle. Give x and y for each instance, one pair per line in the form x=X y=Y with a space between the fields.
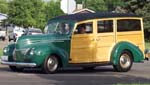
x=93 y=39
x=98 y=39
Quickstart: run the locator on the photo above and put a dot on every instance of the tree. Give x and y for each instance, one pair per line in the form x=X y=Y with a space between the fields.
x=52 y=9
x=96 y=5
x=113 y=4
x=38 y=13
x=27 y=13
x=102 y=5
x=3 y=6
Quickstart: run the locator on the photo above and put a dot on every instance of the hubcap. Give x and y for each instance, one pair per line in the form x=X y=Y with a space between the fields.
x=125 y=60
x=52 y=64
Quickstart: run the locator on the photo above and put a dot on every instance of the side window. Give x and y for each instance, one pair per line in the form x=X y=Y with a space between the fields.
x=84 y=28
x=105 y=26
x=128 y=25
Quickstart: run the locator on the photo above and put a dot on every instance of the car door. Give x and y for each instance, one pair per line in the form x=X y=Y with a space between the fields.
x=82 y=43
x=105 y=39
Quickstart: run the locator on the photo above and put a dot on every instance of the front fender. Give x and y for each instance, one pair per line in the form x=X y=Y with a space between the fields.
x=9 y=51
x=119 y=47
x=41 y=52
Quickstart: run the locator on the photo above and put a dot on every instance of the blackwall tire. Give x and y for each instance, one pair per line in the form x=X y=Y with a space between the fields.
x=125 y=62
x=51 y=65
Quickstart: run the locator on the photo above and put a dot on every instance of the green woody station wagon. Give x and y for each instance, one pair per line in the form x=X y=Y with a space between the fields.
x=86 y=40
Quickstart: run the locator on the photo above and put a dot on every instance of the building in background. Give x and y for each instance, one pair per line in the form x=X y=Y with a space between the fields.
x=80 y=9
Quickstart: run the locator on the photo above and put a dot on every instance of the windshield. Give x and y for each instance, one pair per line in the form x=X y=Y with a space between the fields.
x=59 y=27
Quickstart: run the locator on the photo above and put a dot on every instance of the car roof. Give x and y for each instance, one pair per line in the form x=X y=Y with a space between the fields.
x=97 y=15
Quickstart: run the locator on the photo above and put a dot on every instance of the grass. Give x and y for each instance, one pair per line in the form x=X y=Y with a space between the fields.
x=147 y=45
x=1 y=52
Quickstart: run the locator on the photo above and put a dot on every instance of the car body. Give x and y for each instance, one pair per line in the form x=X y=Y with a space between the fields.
x=109 y=38
x=33 y=31
x=12 y=36
x=16 y=33
x=2 y=35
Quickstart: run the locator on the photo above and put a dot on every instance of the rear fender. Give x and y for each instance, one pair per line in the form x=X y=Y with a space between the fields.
x=119 y=47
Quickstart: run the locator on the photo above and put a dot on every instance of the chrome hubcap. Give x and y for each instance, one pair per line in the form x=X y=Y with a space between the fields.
x=125 y=60
x=52 y=64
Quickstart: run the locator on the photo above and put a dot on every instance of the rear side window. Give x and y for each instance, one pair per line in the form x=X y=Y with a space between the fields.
x=105 y=26
x=128 y=25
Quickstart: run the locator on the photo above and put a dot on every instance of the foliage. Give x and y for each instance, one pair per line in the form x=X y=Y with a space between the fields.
x=96 y=5
x=113 y=4
x=52 y=9
x=102 y=5
x=32 y=13
x=27 y=13
x=3 y=6
x=1 y=52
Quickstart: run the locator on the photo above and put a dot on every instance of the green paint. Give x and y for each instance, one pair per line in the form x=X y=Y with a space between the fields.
x=10 y=48
x=119 y=47
x=43 y=46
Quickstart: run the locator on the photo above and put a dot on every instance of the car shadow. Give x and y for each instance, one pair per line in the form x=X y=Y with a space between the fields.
x=77 y=76
x=68 y=70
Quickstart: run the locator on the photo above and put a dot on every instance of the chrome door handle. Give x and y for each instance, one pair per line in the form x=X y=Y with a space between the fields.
x=98 y=39
x=93 y=39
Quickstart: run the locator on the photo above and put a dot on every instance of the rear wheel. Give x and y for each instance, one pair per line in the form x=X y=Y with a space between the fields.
x=51 y=64
x=16 y=69
x=125 y=62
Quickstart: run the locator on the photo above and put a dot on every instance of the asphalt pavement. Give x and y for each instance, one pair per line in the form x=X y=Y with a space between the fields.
x=103 y=75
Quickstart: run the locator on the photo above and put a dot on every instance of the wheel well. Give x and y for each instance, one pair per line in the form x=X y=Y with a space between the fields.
x=59 y=59
x=130 y=53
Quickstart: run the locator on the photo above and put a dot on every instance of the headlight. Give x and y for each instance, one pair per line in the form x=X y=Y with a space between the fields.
x=32 y=51
x=27 y=51
x=5 y=50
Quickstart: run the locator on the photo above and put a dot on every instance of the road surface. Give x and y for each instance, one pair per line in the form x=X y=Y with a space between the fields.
x=104 y=75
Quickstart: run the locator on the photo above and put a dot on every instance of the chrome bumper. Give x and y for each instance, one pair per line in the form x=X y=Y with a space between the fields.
x=147 y=54
x=18 y=64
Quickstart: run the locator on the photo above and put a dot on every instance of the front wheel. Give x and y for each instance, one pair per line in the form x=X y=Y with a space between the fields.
x=51 y=64
x=125 y=62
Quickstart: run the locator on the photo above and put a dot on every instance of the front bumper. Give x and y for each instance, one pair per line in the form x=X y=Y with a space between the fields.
x=21 y=64
x=147 y=54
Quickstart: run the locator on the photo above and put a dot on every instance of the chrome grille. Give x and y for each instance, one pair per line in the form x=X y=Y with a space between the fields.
x=19 y=54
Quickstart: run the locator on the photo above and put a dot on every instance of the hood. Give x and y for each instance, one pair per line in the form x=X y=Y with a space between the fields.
x=29 y=40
